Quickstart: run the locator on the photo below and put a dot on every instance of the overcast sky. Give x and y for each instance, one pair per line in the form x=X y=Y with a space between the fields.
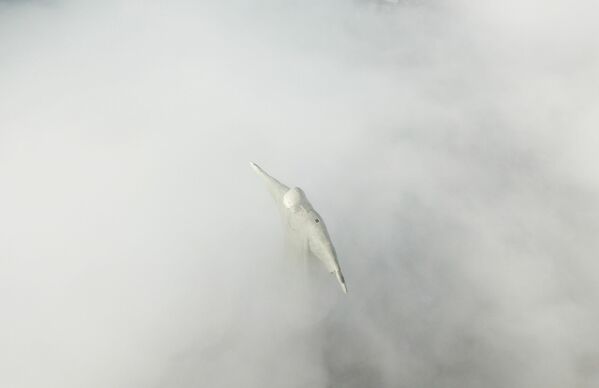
x=450 y=145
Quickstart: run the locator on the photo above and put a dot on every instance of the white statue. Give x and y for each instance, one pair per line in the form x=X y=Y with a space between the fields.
x=305 y=228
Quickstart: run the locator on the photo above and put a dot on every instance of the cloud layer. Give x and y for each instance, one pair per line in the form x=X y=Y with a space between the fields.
x=450 y=147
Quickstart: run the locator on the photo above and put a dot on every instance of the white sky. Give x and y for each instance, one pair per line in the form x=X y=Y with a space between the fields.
x=451 y=147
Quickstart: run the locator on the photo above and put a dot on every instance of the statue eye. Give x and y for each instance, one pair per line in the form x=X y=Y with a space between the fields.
x=316 y=220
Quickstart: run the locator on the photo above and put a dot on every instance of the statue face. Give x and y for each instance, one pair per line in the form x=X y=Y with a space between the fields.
x=294 y=198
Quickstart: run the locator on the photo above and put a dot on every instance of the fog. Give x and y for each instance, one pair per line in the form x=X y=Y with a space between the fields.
x=451 y=147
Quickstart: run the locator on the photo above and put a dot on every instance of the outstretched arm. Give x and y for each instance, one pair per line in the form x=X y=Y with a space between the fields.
x=276 y=188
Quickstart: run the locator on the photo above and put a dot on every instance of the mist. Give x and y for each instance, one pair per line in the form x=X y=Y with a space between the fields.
x=451 y=147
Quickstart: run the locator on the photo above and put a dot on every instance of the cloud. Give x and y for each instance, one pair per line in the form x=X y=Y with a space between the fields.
x=449 y=146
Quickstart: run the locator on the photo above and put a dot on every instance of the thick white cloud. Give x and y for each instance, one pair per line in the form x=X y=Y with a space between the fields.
x=450 y=145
